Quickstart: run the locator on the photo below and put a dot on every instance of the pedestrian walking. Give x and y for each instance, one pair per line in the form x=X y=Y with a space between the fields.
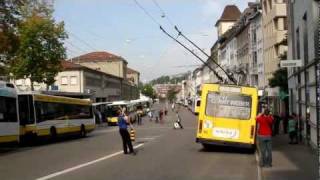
x=165 y=111
x=264 y=122
x=161 y=115
x=276 y=125
x=150 y=114
x=123 y=122
x=172 y=106
x=285 y=123
x=178 y=123
x=292 y=130
x=139 y=116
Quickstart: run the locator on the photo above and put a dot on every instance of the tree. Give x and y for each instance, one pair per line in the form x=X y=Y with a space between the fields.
x=10 y=13
x=280 y=79
x=147 y=90
x=41 y=46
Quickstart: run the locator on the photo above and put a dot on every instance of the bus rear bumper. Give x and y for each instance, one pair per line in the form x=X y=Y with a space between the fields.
x=224 y=143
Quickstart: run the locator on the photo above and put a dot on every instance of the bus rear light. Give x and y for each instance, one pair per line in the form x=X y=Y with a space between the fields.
x=200 y=126
x=252 y=132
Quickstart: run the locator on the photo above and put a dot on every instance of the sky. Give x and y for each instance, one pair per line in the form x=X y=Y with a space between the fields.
x=122 y=28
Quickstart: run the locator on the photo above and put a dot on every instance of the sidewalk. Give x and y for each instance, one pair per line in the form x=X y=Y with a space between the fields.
x=292 y=162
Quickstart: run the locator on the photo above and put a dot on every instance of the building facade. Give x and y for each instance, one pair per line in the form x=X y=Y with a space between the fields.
x=133 y=76
x=274 y=19
x=75 y=78
x=104 y=62
x=303 y=82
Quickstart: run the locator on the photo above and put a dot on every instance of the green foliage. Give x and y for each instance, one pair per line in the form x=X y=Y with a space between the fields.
x=41 y=47
x=10 y=18
x=280 y=79
x=168 y=79
x=147 y=90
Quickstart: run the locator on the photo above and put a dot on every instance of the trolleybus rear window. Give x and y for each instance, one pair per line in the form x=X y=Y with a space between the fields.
x=227 y=105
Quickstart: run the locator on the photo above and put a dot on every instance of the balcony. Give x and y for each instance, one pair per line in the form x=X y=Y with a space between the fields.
x=253 y=69
x=278 y=10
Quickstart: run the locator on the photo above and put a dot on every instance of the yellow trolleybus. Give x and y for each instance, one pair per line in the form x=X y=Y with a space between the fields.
x=45 y=115
x=227 y=115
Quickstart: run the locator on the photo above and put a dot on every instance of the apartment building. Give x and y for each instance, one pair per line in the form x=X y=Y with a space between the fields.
x=274 y=19
x=104 y=62
x=304 y=82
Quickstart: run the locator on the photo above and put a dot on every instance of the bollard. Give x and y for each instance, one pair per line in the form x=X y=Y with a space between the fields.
x=132 y=135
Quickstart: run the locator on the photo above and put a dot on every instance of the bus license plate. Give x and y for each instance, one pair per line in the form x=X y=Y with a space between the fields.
x=226 y=133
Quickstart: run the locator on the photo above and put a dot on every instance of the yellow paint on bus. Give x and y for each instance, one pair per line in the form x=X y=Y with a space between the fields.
x=227 y=115
x=57 y=99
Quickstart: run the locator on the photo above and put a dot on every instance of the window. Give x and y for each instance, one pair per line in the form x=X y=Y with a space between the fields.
x=298 y=43
x=64 y=80
x=73 y=80
x=59 y=111
x=26 y=112
x=225 y=105
x=8 y=109
x=285 y=23
x=305 y=40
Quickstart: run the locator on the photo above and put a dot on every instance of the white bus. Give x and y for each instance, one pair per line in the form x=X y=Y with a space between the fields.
x=46 y=115
x=100 y=110
x=112 y=109
x=9 y=120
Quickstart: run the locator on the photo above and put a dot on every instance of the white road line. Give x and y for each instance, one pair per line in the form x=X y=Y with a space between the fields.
x=258 y=167
x=83 y=165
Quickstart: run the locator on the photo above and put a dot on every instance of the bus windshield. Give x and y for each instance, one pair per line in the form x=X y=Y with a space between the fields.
x=227 y=105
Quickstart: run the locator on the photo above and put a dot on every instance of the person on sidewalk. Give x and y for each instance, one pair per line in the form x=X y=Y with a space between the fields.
x=292 y=129
x=264 y=123
x=277 y=120
x=123 y=122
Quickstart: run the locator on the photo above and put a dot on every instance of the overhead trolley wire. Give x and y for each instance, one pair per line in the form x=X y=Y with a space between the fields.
x=228 y=75
x=163 y=13
x=205 y=63
x=146 y=12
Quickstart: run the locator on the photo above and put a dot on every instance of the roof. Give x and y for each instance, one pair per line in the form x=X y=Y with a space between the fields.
x=98 y=56
x=230 y=13
x=131 y=71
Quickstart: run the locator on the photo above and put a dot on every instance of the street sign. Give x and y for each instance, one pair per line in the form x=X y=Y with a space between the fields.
x=291 y=63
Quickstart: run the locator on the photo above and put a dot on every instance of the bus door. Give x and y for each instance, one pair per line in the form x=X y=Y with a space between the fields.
x=26 y=114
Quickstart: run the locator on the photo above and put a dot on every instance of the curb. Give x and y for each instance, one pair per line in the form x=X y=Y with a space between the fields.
x=260 y=177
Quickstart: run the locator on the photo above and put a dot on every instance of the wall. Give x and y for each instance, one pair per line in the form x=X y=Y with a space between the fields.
x=302 y=84
x=116 y=68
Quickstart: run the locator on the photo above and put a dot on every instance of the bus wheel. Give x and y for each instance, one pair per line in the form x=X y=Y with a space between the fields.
x=206 y=146
x=83 y=132
x=53 y=134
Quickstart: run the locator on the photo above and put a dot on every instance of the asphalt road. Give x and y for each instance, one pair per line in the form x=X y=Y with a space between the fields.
x=162 y=153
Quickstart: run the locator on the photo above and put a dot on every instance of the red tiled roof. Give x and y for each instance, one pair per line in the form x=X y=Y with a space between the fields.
x=70 y=65
x=131 y=71
x=230 y=13
x=98 y=56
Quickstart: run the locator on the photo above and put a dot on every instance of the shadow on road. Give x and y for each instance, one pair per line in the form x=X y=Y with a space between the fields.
x=38 y=142
x=227 y=149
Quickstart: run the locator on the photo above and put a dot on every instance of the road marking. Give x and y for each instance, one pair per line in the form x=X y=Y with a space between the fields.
x=258 y=166
x=83 y=165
